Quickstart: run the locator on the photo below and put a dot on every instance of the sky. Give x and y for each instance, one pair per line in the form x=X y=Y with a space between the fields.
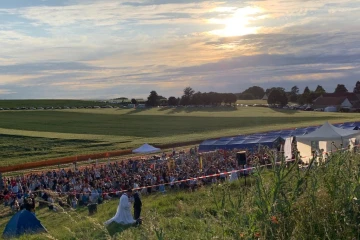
x=102 y=49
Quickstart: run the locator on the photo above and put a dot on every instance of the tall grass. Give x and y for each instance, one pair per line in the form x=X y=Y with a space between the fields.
x=284 y=202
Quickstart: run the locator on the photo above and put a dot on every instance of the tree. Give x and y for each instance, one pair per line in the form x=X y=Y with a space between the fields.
x=306 y=90
x=293 y=97
x=320 y=90
x=186 y=97
x=278 y=96
x=189 y=92
x=340 y=88
x=357 y=87
x=230 y=98
x=153 y=99
x=197 y=99
x=172 y=101
x=256 y=91
x=133 y=101
x=269 y=90
x=305 y=97
x=247 y=96
x=162 y=101
x=295 y=90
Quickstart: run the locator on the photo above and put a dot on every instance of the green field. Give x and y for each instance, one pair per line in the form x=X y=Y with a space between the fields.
x=40 y=135
x=49 y=103
x=283 y=203
x=251 y=102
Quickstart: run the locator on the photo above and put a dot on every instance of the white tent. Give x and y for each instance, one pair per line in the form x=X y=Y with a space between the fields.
x=328 y=132
x=288 y=148
x=327 y=138
x=146 y=148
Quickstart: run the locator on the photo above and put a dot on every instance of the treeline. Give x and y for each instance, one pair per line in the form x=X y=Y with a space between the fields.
x=274 y=95
x=278 y=95
x=190 y=97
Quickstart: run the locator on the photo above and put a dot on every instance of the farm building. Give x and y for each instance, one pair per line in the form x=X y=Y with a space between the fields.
x=337 y=102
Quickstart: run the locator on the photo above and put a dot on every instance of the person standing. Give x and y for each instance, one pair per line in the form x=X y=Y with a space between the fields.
x=123 y=213
x=137 y=206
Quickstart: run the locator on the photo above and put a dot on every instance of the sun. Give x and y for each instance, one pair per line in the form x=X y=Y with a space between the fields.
x=238 y=23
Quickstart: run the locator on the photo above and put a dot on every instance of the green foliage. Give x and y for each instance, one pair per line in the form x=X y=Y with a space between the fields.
x=153 y=99
x=246 y=96
x=357 y=87
x=277 y=96
x=340 y=88
x=255 y=91
x=172 y=101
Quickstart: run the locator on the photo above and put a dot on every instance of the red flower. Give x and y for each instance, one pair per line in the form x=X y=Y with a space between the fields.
x=274 y=220
x=257 y=234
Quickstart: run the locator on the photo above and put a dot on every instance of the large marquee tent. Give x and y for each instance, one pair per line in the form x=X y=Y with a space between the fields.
x=269 y=139
x=328 y=138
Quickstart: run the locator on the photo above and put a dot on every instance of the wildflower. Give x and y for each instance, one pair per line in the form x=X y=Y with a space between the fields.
x=257 y=234
x=274 y=220
x=241 y=235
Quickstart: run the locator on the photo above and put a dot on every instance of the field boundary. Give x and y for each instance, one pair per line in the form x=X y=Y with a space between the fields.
x=86 y=157
x=103 y=155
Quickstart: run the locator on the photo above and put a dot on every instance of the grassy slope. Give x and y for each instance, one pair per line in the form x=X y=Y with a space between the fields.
x=40 y=135
x=285 y=203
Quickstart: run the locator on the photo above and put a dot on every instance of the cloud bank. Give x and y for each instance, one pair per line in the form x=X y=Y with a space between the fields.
x=105 y=49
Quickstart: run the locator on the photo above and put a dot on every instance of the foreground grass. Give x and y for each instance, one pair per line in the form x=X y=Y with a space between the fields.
x=284 y=203
x=41 y=135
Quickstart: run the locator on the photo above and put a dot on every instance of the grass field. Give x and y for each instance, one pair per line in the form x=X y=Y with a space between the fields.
x=48 y=103
x=251 y=102
x=40 y=135
x=282 y=203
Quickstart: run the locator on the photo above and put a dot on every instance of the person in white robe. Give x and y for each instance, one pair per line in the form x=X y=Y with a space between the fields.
x=233 y=176
x=123 y=213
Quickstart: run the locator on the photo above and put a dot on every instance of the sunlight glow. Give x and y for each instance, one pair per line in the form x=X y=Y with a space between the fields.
x=238 y=23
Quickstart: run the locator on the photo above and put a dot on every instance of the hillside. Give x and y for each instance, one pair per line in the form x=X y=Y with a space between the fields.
x=40 y=135
x=283 y=203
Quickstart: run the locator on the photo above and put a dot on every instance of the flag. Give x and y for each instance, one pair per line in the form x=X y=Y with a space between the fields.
x=170 y=164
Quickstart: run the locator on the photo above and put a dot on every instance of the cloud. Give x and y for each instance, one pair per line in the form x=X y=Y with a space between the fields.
x=80 y=48
x=6 y=92
x=36 y=68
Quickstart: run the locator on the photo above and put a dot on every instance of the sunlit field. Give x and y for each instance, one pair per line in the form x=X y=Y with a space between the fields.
x=251 y=102
x=40 y=135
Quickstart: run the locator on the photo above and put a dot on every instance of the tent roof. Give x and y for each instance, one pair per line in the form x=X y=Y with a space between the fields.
x=21 y=223
x=328 y=132
x=146 y=148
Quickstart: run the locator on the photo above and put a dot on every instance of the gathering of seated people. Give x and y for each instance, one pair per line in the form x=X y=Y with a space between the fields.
x=76 y=186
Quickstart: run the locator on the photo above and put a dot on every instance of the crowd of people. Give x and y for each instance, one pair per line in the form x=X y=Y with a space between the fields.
x=76 y=186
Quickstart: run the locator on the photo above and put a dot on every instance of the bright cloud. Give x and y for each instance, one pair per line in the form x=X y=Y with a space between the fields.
x=93 y=48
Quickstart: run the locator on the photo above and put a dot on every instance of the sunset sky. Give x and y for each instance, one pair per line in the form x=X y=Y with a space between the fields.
x=106 y=48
